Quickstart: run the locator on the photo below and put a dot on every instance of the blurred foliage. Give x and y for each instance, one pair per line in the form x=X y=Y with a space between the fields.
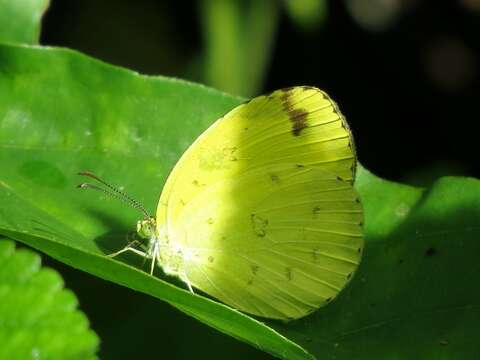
x=308 y=14
x=238 y=37
x=20 y=20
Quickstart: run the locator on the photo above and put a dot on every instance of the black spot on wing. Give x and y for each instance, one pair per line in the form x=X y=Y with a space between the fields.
x=297 y=116
x=301 y=88
x=286 y=99
x=274 y=178
x=288 y=273
x=259 y=225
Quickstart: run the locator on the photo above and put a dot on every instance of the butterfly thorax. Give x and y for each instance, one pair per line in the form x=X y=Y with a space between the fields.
x=159 y=248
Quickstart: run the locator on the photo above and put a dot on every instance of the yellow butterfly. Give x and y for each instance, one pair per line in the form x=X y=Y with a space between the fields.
x=260 y=211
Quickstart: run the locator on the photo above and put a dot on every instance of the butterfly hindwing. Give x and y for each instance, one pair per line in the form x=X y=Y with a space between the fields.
x=278 y=241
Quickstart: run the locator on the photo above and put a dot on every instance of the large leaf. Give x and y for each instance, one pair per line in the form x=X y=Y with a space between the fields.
x=20 y=20
x=38 y=318
x=61 y=112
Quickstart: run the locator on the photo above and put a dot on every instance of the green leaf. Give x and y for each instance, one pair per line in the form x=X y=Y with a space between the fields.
x=20 y=20
x=38 y=318
x=62 y=112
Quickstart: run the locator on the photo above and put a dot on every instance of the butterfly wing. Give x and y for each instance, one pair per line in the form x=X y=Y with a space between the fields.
x=263 y=206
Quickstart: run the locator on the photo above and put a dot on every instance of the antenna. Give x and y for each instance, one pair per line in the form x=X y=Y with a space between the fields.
x=113 y=192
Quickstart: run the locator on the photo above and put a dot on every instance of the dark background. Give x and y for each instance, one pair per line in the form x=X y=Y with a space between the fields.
x=405 y=75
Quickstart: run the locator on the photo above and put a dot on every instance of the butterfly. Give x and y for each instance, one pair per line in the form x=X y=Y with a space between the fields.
x=260 y=211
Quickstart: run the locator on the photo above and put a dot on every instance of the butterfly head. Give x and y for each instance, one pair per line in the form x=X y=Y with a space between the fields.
x=146 y=228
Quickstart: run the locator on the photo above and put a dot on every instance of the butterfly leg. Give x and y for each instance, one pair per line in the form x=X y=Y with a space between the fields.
x=155 y=255
x=129 y=248
x=184 y=278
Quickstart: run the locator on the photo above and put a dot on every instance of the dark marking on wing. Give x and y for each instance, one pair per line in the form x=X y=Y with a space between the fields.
x=298 y=117
x=349 y=276
x=286 y=100
x=328 y=299
x=275 y=179
x=301 y=88
x=254 y=269
x=288 y=273
x=197 y=183
x=229 y=152
x=211 y=258
x=210 y=221
x=259 y=225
